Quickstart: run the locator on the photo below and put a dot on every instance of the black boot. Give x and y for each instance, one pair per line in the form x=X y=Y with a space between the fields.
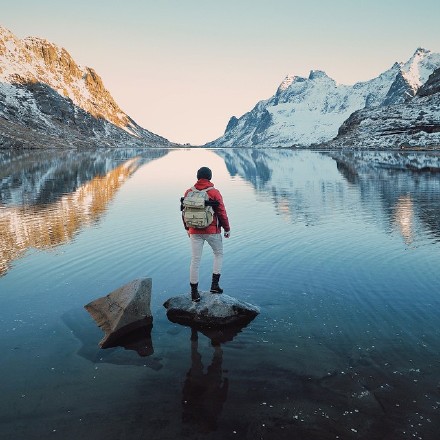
x=195 y=296
x=215 y=288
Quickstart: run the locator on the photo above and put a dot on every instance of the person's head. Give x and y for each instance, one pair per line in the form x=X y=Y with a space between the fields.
x=204 y=173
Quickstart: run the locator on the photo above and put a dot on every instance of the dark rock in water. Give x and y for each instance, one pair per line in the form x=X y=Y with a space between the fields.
x=122 y=312
x=136 y=337
x=213 y=310
x=137 y=346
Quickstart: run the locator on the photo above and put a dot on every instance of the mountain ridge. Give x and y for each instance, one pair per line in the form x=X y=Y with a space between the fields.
x=414 y=123
x=41 y=86
x=305 y=112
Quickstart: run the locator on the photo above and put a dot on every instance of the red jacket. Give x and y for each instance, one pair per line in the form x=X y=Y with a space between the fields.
x=220 y=216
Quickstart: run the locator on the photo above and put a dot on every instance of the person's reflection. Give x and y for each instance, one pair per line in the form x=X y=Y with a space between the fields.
x=204 y=393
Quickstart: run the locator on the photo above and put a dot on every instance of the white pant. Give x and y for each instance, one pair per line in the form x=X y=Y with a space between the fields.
x=197 y=242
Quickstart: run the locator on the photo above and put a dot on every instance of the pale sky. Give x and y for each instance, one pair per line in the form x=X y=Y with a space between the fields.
x=182 y=68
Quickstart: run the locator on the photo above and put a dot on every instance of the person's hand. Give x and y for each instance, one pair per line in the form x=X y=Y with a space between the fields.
x=227 y=234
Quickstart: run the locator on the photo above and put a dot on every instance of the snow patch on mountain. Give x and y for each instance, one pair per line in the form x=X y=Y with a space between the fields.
x=419 y=67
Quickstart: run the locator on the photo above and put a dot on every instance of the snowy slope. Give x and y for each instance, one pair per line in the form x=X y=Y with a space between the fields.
x=43 y=89
x=307 y=111
x=414 y=123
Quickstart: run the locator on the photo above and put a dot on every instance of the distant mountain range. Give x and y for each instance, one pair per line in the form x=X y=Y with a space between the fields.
x=47 y=99
x=316 y=111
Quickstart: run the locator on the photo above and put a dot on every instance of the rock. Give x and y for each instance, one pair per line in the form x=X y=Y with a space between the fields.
x=233 y=122
x=213 y=310
x=139 y=339
x=432 y=86
x=122 y=311
x=139 y=352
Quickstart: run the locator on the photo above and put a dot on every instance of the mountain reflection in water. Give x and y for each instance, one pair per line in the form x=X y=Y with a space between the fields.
x=46 y=198
x=407 y=185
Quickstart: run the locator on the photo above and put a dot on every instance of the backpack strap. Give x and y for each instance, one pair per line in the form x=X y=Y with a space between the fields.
x=193 y=188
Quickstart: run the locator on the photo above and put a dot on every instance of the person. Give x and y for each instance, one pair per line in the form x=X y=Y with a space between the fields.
x=211 y=234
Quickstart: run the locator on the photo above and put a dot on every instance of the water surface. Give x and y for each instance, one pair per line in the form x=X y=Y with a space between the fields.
x=341 y=252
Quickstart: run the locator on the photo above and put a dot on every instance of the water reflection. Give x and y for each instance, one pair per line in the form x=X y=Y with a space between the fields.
x=407 y=184
x=404 y=218
x=287 y=178
x=47 y=198
x=304 y=187
x=139 y=339
x=204 y=394
x=138 y=345
x=254 y=165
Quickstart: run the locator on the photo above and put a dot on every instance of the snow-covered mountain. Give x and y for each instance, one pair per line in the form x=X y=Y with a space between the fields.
x=412 y=123
x=308 y=111
x=45 y=93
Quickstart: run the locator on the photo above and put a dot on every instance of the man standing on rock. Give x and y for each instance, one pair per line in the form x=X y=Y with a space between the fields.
x=211 y=232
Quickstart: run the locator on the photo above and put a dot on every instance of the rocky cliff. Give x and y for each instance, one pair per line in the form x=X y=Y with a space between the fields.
x=47 y=99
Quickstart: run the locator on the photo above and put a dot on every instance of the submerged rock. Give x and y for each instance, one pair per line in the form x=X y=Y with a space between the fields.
x=123 y=311
x=136 y=348
x=213 y=310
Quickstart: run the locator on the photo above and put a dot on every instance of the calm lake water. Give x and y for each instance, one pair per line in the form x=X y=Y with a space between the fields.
x=341 y=253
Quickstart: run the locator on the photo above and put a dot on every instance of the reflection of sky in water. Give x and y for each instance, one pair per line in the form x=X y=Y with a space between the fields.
x=341 y=259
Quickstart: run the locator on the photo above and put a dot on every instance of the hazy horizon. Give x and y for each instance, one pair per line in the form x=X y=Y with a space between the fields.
x=182 y=69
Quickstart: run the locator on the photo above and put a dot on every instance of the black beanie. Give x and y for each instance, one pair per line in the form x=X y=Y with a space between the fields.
x=204 y=173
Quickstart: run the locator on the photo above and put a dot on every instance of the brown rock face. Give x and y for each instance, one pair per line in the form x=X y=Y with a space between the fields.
x=46 y=91
x=40 y=61
x=53 y=57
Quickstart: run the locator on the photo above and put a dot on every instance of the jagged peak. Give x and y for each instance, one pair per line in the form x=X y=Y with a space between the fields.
x=414 y=70
x=416 y=58
x=318 y=74
x=291 y=79
x=422 y=50
x=288 y=81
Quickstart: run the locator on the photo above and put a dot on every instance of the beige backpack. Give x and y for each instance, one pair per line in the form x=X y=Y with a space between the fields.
x=196 y=214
